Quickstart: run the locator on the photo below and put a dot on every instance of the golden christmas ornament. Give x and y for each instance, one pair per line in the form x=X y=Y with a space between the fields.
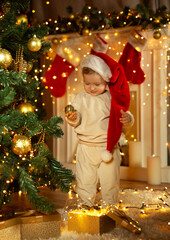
x=25 y=107
x=157 y=34
x=21 y=145
x=69 y=109
x=29 y=66
x=22 y=18
x=5 y=58
x=34 y=44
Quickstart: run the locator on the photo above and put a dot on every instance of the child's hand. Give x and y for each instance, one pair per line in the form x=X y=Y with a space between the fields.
x=125 y=118
x=72 y=116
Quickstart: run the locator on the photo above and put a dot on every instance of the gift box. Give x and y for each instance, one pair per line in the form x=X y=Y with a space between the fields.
x=92 y=223
x=99 y=222
x=124 y=220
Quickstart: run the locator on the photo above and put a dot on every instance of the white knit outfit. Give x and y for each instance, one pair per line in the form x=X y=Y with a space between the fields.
x=91 y=128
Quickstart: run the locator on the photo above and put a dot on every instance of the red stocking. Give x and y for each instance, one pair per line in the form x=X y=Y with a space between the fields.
x=56 y=77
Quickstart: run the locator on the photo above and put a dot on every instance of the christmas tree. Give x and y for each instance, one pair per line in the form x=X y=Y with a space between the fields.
x=26 y=163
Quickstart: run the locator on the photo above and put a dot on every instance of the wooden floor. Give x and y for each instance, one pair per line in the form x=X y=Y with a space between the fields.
x=20 y=203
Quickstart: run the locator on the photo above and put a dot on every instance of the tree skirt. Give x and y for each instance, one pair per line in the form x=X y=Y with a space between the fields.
x=150 y=208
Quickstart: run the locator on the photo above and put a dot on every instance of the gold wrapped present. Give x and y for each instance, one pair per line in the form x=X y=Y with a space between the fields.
x=92 y=222
x=122 y=219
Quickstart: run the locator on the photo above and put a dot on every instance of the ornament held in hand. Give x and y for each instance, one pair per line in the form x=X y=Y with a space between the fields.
x=21 y=145
x=69 y=109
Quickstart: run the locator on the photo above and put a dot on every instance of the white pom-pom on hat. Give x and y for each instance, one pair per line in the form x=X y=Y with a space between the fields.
x=106 y=156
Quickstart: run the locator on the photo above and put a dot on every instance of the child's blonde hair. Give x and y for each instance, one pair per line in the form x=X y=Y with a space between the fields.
x=87 y=70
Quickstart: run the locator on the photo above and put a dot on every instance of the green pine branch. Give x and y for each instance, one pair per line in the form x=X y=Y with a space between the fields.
x=6 y=96
x=51 y=127
x=17 y=5
x=59 y=176
x=27 y=186
x=37 y=167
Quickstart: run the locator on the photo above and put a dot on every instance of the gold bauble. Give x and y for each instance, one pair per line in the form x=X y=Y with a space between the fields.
x=5 y=58
x=69 y=109
x=34 y=44
x=29 y=66
x=157 y=34
x=25 y=107
x=21 y=145
x=86 y=32
x=22 y=18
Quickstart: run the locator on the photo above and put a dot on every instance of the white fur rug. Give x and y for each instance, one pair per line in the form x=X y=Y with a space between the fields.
x=154 y=221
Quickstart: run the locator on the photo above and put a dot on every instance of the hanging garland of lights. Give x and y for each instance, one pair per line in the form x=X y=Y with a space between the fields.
x=92 y=19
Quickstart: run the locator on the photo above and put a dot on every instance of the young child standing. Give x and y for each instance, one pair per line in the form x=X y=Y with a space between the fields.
x=97 y=119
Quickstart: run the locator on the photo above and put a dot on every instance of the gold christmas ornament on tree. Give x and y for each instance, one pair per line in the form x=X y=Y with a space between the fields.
x=21 y=145
x=22 y=18
x=25 y=107
x=157 y=34
x=5 y=58
x=29 y=66
x=69 y=109
x=34 y=44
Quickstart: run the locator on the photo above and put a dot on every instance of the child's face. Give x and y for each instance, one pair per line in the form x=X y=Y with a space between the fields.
x=94 y=84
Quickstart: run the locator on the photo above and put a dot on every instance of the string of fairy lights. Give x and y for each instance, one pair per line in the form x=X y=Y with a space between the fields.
x=157 y=201
x=75 y=52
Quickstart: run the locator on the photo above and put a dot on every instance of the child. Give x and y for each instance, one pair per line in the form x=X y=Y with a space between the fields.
x=97 y=119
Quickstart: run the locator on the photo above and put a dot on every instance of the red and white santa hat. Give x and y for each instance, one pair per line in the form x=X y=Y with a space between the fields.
x=113 y=73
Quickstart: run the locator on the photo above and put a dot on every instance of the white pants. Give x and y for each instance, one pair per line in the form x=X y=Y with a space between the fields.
x=90 y=170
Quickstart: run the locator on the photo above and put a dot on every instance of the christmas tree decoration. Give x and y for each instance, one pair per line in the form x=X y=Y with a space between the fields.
x=157 y=34
x=25 y=107
x=21 y=145
x=69 y=109
x=5 y=58
x=26 y=163
x=6 y=7
x=1 y=15
x=56 y=77
x=22 y=18
x=19 y=63
x=34 y=44
x=29 y=66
